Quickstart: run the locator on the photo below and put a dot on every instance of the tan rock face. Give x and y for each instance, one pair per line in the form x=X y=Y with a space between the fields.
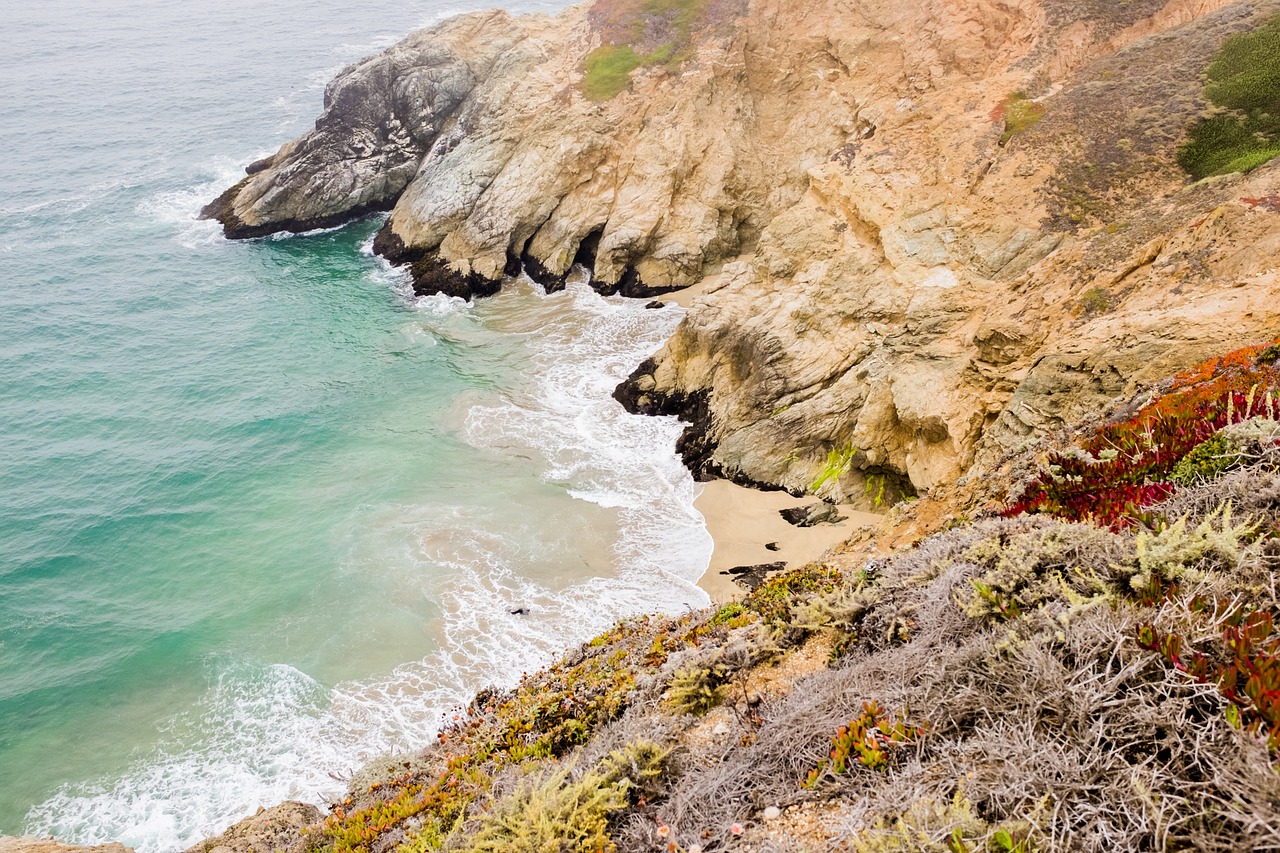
x=902 y=282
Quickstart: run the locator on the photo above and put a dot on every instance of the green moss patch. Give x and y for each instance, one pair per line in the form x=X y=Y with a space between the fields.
x=1019 y=114
x=1244 y=88
x=642 y=34
x=609 y=71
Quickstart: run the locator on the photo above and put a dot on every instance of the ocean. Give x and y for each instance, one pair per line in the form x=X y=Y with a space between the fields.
x=264 y=515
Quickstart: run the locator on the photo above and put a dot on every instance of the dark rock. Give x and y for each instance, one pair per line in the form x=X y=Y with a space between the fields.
x=808 y=516
x=222 y=210
x=549 y=281
x=656 y=304
x=381 y=117
x=696 y=444
x=633 y=287
x=772 y=546
x=431 y=274
x=750 y=577
x=259 y=165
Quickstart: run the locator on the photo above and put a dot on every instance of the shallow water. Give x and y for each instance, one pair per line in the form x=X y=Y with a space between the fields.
x=263 y=515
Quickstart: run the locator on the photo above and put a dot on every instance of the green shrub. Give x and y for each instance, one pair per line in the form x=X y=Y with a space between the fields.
x=554 y=813
x=1227 y=449
x=1020 y=114
x=695 y=690
x=1096 y=300
x=636 y=34
x=1244 y=86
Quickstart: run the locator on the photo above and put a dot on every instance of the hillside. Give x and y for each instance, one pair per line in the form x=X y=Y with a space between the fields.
x=1030 y=680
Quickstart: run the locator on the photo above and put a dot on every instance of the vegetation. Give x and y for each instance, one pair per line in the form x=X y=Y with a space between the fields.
x=1243 y=86
x=1019 y=114
x=639 y=34
x=839 y=462
x=1124 y=468
x=556 y=813
x=1098 y=669
x=609 y=70
x=1096 y=300
x=867 y=739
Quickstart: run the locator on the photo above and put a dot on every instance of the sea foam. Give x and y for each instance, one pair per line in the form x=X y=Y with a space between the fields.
x=263 y=735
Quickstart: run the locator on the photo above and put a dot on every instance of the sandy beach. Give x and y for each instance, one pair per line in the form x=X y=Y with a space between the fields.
x=743 y=521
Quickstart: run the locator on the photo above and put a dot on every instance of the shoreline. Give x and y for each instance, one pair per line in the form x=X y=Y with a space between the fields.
x=742 y=521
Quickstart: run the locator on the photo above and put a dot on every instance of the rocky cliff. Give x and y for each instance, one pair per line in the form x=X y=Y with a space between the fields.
x=923 y=233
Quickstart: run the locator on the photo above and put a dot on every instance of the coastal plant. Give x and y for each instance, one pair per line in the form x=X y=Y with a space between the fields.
x=1243 y=87
x=1019 y=113
x=1229 y=448
x=1096 y=300
x=946 y=826
x=1247 y=675
x=608 y=70
x=639 y=34
x=550 y=713
x=555 y=812
x=1122 y=469
x=866 y=740
x=774 y=600
x=1024 y=570
x=839 y=461
x=1167 y=555
x=695 y=690
x=874 y=489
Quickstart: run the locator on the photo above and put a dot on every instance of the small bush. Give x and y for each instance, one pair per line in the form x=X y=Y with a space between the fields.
x=1231 y=447
x=554 y=813
x=695 y=690
x=867 y=740
x=1096 y=300
x=1019 y=114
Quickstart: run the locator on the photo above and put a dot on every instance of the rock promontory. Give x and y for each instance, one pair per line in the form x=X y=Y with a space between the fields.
x=922 y=234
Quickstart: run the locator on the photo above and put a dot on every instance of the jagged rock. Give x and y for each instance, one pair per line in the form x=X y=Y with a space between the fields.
x=812 y=515
x=36 y=844
x=274 y=830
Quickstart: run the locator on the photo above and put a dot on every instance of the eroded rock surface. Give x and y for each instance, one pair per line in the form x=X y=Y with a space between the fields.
x=38 y=844
x=275 y=830
x=925 y=232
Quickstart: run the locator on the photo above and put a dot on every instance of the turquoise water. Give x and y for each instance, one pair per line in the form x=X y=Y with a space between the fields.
x=263 y=515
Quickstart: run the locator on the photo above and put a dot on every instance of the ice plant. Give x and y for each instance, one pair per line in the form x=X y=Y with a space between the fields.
x=866 y=740
x=1124 y=468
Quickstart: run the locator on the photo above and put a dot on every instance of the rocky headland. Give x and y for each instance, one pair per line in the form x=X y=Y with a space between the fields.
x=923 y=233
x=990 y=262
